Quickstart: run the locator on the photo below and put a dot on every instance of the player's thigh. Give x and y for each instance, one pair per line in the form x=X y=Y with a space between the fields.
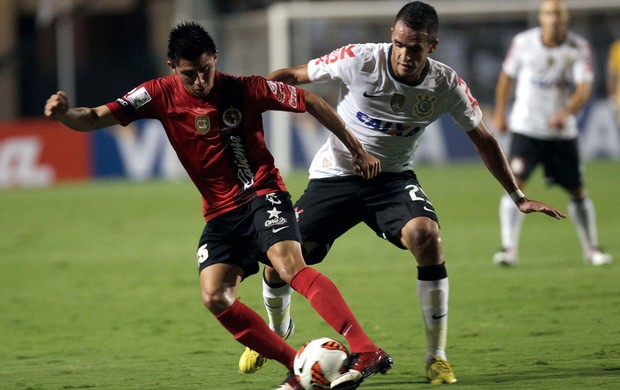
x=394 y=201
x=230 y=239
x=278 y=235
x=524 y=155
x=328 y=208
x=562 y=165
x=275 y=220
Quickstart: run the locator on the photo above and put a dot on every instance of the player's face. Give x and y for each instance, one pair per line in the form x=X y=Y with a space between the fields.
x=410 y=49
x=553 y=18
x=197 y=76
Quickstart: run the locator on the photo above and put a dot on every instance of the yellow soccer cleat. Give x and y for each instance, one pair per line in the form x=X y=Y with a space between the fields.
x=252 y=361
x=439 y=372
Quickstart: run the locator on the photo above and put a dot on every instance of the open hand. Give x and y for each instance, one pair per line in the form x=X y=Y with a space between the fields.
x=531 y=206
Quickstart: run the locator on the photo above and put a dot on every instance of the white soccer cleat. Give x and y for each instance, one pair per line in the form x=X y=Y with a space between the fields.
x=597 y=258
x=506 y=258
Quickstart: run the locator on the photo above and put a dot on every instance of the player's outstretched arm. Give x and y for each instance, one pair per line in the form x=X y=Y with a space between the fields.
x=79 y=118
x=490 y=151
x=294 y=75
x=364 y=164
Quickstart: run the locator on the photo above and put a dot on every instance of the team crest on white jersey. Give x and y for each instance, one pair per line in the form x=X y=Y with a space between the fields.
x=203 y=124
x=425 y=105
x=232 y=117
x=397 y=102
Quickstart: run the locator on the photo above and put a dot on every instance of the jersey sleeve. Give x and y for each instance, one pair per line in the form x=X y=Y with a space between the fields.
x=463 y=107
x=511 y=63
x=275 y=95
x=135 y=104
x=343 y=64
x=582 y=68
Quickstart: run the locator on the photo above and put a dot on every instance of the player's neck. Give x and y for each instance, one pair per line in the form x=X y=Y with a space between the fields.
x=553 y=38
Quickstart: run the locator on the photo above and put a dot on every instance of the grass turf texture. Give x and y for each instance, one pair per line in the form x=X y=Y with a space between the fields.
x=99 y=290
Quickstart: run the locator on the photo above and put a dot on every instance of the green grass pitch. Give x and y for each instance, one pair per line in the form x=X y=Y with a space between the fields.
x=99 y=290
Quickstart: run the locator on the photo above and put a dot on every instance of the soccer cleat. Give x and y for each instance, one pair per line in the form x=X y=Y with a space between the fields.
x=439 y=372
x=505 y=257
x=252 y=361
x=362 y=366
x=598 y=257
x=290 y=383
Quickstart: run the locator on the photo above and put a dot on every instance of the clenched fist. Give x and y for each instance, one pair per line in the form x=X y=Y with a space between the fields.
x=56 y=106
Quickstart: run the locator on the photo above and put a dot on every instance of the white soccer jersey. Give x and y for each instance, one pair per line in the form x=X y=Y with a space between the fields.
x=386 y=115
x=545 y=80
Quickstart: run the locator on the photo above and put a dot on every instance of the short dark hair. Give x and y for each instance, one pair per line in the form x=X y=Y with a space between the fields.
x=189 y=40
x=418 y=15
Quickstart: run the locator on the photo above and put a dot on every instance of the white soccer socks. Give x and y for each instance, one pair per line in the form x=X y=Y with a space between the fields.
x=510 y=219
x=277 y=300
x=583 y=215
x=433 y=297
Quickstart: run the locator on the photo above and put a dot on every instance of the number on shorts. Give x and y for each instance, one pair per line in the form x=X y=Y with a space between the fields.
x=413 y=193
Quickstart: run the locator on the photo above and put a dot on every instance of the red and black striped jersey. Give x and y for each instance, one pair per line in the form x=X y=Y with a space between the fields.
x=219 y=139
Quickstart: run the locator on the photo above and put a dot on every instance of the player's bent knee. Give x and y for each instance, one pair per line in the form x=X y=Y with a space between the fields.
x=216 y=303
x=271 y=276
x=417 y=235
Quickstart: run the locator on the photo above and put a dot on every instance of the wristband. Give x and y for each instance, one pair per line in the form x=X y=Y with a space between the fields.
x=516 y=195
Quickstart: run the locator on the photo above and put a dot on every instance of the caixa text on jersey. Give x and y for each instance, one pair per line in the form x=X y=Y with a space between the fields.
x=397 y=129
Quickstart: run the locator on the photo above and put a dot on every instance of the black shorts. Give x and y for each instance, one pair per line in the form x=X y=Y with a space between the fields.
x=560 y=159
x=242 y=236
x=329 y=207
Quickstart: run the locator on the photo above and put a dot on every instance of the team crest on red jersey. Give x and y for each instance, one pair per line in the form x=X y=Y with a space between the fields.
x=232 y=117
x=425 y=106
x=203 y=124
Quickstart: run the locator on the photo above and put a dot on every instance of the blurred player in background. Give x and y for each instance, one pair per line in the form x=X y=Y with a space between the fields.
x=552 y=68
x=389 y=93
x=613 y=78
x=213 y=121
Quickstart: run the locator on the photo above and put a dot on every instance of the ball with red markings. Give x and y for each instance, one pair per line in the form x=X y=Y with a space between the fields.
x=319 y=362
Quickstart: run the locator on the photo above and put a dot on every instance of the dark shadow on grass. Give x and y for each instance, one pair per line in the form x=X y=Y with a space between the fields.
x=384 y=382
x=530 y=375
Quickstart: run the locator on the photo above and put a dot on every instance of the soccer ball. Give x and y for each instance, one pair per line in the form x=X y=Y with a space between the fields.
x=319 y=362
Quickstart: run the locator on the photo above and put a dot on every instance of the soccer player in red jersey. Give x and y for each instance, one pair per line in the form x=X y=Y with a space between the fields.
x=213 y=121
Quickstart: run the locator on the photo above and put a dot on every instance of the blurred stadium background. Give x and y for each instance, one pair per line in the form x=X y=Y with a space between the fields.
x=97 y=50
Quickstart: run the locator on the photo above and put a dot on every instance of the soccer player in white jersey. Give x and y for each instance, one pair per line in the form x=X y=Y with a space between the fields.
x=390 y=92
x=552 y=68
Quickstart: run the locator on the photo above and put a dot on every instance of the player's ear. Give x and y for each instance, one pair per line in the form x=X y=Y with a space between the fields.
x=170 y=64
x=434 y=45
